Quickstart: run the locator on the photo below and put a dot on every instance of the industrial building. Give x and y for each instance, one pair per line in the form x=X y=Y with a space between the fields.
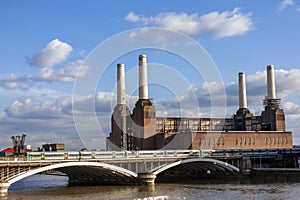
x=142 y=130
x=60 y=147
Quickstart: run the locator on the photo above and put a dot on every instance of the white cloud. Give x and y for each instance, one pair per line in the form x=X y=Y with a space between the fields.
x=53 y=120
x=292 y=116
x=133 y=17
x=104 y=102
x=66 y=74
x=10 y=82
x=28 y=110
x=55 y=52
x=256 y=83
x=13 y=81
x=291 y=108
x=217 y=24
x=42 y=122
x=285 y=3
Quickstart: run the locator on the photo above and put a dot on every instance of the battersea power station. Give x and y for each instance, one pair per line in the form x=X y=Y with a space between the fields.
x=141 y=129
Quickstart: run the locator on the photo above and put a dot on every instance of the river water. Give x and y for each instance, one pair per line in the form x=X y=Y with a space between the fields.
x=42 y=187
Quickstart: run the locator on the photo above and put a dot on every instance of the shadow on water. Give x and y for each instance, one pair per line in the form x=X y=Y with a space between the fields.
x=40 y=181
x=57 y=187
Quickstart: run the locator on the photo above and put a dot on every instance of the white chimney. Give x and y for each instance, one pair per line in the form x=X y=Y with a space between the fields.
x=121 y=93
x=242 y=91
x=271 y=82
x=143 y=80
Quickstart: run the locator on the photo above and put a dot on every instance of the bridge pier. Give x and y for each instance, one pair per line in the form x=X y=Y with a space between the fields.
x=4 y=189
x=146 y=178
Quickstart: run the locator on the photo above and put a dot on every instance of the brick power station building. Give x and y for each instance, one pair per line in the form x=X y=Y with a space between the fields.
x=142 y=130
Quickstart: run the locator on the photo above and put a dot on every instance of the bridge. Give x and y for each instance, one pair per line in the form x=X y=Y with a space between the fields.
x=148 y=167
x=113 y=168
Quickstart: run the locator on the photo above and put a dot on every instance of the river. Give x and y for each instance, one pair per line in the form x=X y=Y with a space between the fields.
x=42 y=187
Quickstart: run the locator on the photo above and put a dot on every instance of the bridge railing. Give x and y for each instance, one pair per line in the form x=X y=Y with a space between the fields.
x=13 y=158
x=95 y=155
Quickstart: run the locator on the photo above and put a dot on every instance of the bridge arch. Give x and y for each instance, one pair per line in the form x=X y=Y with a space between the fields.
x=214 y=164
x=103 y=167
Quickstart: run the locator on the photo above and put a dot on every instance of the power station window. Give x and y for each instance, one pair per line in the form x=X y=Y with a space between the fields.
x=266 y=140
x=278 y=140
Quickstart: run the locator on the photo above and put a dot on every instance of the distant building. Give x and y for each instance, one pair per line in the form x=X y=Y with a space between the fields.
x=142 y=130
x=53 y=147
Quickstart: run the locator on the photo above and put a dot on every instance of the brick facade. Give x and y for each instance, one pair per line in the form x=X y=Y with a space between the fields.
x=242 y=140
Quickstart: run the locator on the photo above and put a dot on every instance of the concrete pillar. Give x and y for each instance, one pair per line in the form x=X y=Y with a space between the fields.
x=242 y=91
x=146 y=178
x=143 y=80
x=271 y=82
x=121 y=93
x=4 y=189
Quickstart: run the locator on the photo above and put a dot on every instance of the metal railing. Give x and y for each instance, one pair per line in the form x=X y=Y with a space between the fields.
x=107 y=155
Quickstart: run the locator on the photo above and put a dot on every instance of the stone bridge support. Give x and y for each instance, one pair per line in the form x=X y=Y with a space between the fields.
x=146 y=178
x=4 y=189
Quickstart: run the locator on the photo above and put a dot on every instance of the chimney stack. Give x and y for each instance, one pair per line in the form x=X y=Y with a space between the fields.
x=121 y=93
x=271 y=82
x=143 y=80
x=242 y=91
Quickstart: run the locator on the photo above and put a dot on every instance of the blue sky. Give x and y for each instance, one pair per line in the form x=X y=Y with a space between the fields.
x=44 y=43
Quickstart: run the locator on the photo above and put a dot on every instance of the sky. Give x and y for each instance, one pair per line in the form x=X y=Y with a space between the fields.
x=49 y=47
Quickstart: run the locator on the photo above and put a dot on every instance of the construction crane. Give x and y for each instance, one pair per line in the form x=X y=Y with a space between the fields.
x=18 y=144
